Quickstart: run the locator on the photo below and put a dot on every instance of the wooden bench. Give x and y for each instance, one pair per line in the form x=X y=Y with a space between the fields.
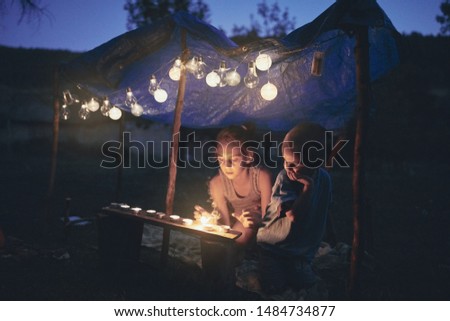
x=120 y=236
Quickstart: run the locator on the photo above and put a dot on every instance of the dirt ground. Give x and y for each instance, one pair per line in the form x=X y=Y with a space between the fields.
x=407 y=248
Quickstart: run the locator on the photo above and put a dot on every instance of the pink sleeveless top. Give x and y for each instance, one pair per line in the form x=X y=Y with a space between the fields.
x=238 y=202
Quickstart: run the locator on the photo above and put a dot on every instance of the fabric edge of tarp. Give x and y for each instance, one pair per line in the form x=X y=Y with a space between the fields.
x=340 y=15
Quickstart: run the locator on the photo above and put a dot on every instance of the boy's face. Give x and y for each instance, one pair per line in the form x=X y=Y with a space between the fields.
x=230 y=160
x=295 y=169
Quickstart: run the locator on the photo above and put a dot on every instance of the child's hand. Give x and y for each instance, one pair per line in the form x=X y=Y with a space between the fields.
x=199 y=212
x=307 y=182
x=250 y=218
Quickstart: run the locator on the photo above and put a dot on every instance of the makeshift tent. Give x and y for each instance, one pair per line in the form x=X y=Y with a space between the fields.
x=129 y=61
x=318 y=70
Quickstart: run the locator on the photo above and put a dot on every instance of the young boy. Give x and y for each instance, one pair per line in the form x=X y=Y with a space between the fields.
x=296 y=216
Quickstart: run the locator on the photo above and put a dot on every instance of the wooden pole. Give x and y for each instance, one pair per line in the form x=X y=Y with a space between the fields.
x=362 y=115
x=51 y=184
x=122 y=154
x=176 y=127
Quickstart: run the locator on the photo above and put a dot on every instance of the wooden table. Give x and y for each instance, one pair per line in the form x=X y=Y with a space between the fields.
x=120 y=237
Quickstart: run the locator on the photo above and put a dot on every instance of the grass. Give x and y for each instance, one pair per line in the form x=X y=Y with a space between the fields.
x=407 y=253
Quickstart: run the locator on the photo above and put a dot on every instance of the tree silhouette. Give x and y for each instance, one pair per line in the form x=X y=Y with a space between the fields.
x=275 y=23
x=444 y=19
x=143 y=12
x=30 y=9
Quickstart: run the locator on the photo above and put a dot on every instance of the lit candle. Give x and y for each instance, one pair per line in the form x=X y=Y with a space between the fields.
x=136 y=209
x=187 y=221
x=160 y=215
x=174 y=217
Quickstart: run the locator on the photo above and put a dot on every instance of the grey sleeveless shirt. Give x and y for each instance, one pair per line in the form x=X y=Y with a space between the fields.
x=237 y=202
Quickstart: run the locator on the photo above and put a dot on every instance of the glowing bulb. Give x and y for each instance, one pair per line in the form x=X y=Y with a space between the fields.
x=269 y=91
x=192 y=64
x=200 y=72
x=233 y=78
x=137 y=110
x=84 y=111
x=153 y=85
x=93 y=105
x=251 y=80
x=222 y=72
x=160 y=95
x=105 y=107
x=175 y=71
x=263 y=62
x=212 y=79
x=115 y=113
x=130 y=99
x=68 y=98
x=65 y=113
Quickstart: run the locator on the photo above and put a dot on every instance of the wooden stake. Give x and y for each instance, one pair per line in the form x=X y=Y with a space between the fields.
x=51 y=184
x=362 y=115
x=176 y=128
x=120 y=168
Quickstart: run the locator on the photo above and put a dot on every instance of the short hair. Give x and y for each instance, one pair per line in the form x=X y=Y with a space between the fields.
x=301 y=134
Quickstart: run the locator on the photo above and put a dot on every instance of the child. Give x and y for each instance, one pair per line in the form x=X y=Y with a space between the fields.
x=239 y=189
x=295 y=220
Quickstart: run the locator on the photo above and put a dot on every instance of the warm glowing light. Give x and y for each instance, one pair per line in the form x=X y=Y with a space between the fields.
x=65 y=113
x=263 y=62
x=136 y=209
x=153 y=86
x=115 y=113
x=212 y=79
x=269 y=91
x=222 y=72
x=251 y=80
x=175 y=71
x=187 y=221
x=130 y=99
x=160 y=95
x=204 y=220
x=137 y=110
x=105 y=107
x=174 y=217
x=200 y=72
x=93 y=105
x=192 y=64
x=233 y=78
x=84 y=111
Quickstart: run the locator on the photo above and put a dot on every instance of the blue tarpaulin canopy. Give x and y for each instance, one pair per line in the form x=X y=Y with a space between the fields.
x=328 y=99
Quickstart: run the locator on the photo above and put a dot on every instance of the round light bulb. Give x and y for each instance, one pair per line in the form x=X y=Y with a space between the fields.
x=137 y=110
x=93 y=105
x=175 y=73
x=160 y=95
x=251 y=79
x=212 y=79
x=65 y=113
x=192 y=64
x=115 y=113
x=233 y=78
x=130 y=100
x=84 y=112
x=153 y=86
x=200 y=72
x=105 y=107
x=263 y=62
x=269 y=91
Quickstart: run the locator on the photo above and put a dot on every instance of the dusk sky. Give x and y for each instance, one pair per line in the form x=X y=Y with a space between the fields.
x=85 y=24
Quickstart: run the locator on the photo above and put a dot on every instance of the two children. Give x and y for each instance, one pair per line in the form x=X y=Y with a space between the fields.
x=293 y=222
